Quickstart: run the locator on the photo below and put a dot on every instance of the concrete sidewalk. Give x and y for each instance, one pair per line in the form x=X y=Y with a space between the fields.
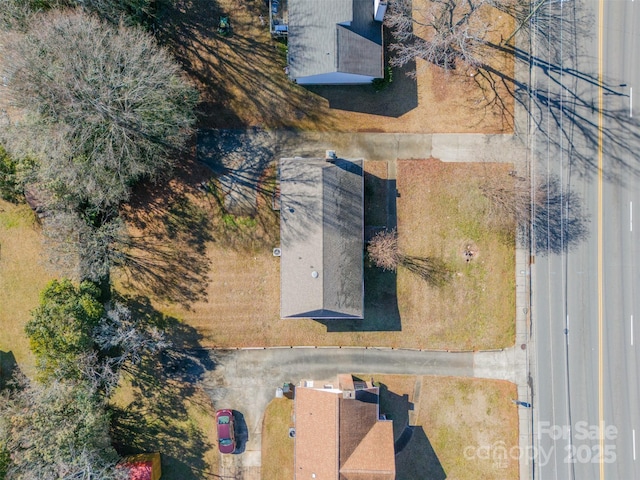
x=256 y=147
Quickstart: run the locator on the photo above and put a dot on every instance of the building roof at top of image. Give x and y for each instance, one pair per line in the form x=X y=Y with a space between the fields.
x=335 y=41
x=321 y=238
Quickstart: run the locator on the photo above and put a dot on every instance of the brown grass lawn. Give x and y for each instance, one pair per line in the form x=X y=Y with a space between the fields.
x=441 y=213
x=223 y=281
x=450 y=415
x=22 y=277
x=277 y=446
x=156 y=414
x=243 y=81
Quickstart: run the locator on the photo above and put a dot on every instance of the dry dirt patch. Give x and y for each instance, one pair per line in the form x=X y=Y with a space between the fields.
x=243 y=81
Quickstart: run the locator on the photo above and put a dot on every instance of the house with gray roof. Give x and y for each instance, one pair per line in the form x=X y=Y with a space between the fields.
x=321 y=238
x=335 y=42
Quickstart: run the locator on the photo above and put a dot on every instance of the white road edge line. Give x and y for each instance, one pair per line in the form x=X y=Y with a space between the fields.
x=631 y=100
x=631 y=329
x=567 y=329
x=634 y=443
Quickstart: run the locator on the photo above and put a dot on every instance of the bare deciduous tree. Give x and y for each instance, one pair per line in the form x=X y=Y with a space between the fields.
x=383 y=250
x=122 y=341
x=15 y=14
x=56 y=430
x=442 y=32
x=554 y=210
x=509 y=199
x=127 y=338
x=84 y=251
x=115 y=102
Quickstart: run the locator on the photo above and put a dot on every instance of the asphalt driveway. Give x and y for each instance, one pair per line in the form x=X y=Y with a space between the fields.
x=240 y=157
x=246 y=380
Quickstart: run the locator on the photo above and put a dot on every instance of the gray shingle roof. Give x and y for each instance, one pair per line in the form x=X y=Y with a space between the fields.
x=321 y=238
x=328 y=36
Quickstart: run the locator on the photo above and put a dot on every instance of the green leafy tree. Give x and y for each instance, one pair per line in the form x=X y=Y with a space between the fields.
x=61 y=327
x=9 y=185
x=5 y=459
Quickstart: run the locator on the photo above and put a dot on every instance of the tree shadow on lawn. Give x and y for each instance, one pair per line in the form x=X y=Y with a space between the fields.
x=242 y=76
x=241 y=192
x=8 y=368
x=434 y=271
x=156 y=414
x=166 y=255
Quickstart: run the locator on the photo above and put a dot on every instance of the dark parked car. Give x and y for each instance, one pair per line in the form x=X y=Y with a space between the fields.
x=226 y=438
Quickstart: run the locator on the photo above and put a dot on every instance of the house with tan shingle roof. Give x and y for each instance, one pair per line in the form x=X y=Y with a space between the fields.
x=340 y=435
x=321 y=238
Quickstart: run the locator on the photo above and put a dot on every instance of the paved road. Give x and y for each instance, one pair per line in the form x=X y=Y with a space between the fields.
x=246 y=380
x=587 y=366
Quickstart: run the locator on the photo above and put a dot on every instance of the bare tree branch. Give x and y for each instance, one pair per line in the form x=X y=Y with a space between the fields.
x=442 y=32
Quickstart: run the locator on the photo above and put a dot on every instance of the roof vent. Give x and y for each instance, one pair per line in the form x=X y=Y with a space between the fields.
x=314 y=274
x=277 y=252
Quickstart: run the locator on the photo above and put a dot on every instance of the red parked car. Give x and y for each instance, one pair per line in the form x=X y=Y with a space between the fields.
x=226 y=438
